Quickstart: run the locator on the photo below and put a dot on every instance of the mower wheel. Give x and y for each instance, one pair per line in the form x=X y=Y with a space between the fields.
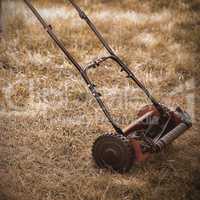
x=113 y=151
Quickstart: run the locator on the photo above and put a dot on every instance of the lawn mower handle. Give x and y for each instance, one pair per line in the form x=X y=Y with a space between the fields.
x=83 y=73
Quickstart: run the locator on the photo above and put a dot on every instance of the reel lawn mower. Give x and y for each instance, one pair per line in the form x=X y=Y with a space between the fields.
x=156 y=127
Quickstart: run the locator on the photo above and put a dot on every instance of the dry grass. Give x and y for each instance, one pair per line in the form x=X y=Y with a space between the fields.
x=49 y=121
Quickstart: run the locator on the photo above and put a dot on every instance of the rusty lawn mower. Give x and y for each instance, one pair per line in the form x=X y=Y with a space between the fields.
x=156 y=127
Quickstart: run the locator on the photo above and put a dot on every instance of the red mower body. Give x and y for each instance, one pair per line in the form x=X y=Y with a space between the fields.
x=145 y=116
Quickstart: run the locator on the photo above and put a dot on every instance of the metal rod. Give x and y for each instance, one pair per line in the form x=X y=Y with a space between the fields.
x=49 y=30
x=115 y=57
x=92 y=26
x=91 y=86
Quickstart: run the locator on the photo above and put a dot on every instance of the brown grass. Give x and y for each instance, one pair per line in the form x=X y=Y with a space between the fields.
x=48 y=120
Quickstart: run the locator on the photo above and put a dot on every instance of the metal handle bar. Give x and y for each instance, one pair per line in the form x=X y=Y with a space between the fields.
x=115 y=57
x=91 y=86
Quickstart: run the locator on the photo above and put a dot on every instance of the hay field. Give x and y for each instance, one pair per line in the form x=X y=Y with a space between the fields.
x=49 y=120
